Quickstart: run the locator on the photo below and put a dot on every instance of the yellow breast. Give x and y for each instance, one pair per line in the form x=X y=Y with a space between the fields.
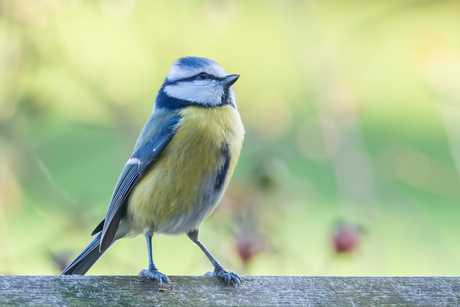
x=169 y=198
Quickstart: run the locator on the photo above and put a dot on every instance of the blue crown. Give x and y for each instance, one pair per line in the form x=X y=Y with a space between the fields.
x=194 y=62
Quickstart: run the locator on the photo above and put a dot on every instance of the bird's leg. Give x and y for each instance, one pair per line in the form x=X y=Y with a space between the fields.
x=219 y=271
x=153 y=272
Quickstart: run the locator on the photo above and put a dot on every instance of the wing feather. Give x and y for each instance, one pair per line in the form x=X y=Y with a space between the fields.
x=139 y=162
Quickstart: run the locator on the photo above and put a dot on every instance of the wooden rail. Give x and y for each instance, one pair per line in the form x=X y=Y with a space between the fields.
x=208 y=291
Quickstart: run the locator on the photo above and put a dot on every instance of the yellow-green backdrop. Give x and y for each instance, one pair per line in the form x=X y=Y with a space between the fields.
x=352 y=113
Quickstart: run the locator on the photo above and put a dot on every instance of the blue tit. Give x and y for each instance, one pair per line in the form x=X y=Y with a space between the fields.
x=180 y=168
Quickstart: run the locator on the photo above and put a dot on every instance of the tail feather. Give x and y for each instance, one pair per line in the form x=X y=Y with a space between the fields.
x=86 y=259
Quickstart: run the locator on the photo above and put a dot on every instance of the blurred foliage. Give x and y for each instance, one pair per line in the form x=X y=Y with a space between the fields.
x=351 y=110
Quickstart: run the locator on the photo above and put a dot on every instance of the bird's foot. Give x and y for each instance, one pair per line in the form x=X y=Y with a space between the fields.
x=154 y=274
x=228 y=277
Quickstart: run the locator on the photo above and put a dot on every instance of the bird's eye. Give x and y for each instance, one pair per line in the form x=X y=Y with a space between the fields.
x=202 y=76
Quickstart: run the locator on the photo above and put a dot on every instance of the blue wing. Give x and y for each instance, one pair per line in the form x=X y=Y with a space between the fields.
x=137 y=165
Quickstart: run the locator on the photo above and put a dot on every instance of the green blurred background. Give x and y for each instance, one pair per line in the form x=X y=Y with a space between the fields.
x=352 y=154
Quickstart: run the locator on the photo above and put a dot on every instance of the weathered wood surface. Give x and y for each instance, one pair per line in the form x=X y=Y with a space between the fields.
x=208 y=291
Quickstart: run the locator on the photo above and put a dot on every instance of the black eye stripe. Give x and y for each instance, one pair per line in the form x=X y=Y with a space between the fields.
x=192 y=78
x=202 y=76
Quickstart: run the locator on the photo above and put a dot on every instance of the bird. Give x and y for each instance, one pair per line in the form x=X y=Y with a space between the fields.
x=180 y=167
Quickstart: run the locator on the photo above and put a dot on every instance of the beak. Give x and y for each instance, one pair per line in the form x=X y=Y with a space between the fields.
x=230 y=80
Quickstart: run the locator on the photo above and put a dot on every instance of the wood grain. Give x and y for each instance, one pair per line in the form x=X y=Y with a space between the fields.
x=209 y=291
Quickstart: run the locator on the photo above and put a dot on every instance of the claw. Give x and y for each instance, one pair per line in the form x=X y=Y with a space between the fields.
x=228 y=277
x=154 y=274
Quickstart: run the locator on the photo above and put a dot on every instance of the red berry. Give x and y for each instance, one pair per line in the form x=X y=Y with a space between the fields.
x=346 y=238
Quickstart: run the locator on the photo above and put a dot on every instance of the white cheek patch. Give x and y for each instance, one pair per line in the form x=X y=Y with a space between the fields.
x=206 y=92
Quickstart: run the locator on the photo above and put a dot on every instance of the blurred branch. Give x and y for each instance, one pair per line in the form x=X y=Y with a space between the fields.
x=35 y=178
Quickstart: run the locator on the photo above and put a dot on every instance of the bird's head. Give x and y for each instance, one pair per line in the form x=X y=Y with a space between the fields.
x=197 y=81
